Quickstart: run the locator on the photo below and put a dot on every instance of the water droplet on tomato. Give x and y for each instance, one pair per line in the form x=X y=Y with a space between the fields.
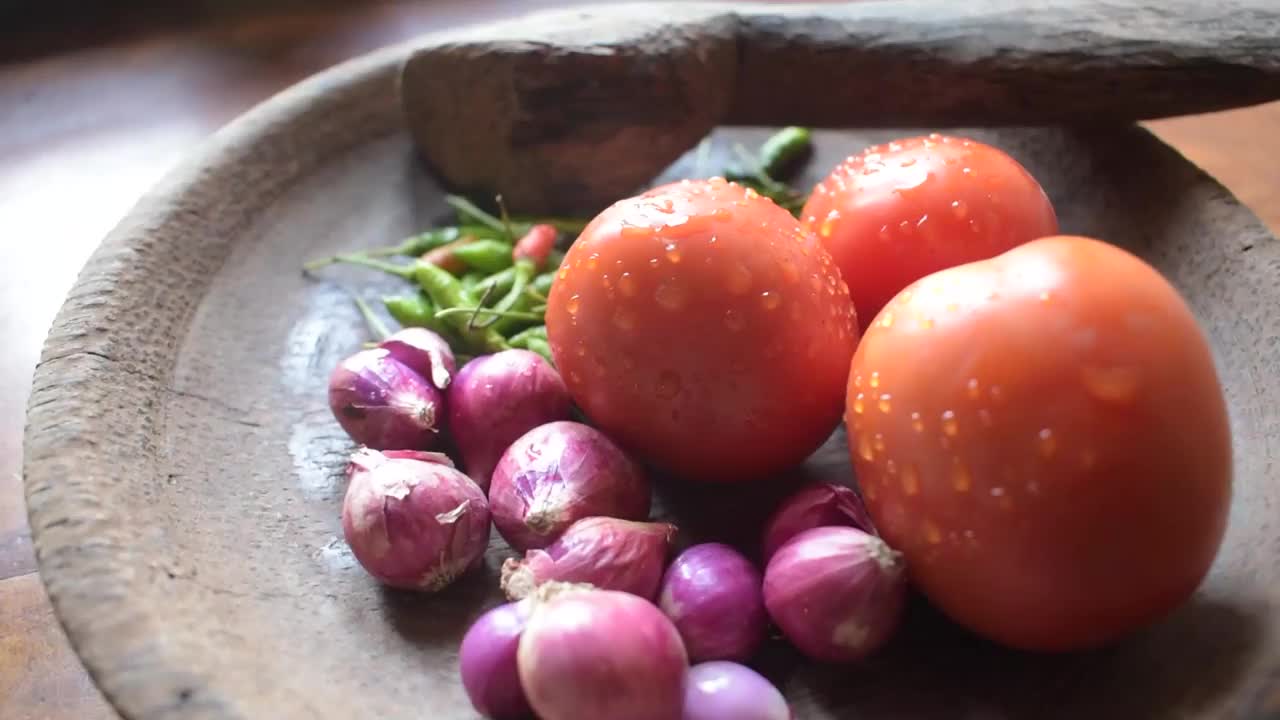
x=917 y=422
x=653 y=262
x=905 y=297
x=984 y=417
x=859 y=403
x=624 y=319
x=885 y=403
x=630 y=232
x=789 y=271
x=932 y=534
x=1045 y=297
x=1110 y=384
x=908 y=162
x=878 y=442
x=666 y=205
x=961 y=478
x=864 y=448
x=673 y=253
x=564 y=273
x=738 y=281
x=996 y=393
x=1088 y=458
x=580 y=350
x=770 y=299
x=857 y=380
x=886 y=320
x=875 y=379
x=734 y=320
x=1047 y=442
x=627 y=284
x=668 y=385
x=910 y=479
x=670 y=294
x=972 y=388
x=950 y=425
x=905 y=228
x=959 y=209
x=574 y=377
x=573 y=305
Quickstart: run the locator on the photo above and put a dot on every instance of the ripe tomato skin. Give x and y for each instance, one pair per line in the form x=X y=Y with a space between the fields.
x=899 y=211
x=1044 y=436
x=698 y=325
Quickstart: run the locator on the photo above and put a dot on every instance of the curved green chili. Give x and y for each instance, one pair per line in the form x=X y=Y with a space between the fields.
x=783 y=149
x=486 y=256
x=376 y=327
x=542 y=347
x=451 y=298
x=415 y=310
x=542 y=283
x=521 y=339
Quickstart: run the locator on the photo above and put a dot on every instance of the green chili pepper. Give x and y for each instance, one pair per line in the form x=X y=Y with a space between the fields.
x=415 y=311
x=377 y=328
x=555 y=259
x=495 y=285
x=514 y=300
x=455 y=303
x=487 y=256
x=521 y=339
x=783 y=149
x=412 y=246
x=471 y=280
x=542 y=347
x=542 y=283
x=570 y=226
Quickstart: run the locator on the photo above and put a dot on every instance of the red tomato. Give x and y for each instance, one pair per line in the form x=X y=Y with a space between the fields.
x=1043 y=435
x=897 y=212
x=699 y=325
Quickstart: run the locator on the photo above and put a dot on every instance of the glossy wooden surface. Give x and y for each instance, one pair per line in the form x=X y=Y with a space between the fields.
x=82 y=134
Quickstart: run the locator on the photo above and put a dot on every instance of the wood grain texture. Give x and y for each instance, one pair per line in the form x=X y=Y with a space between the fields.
x=184 y=474
x=40 y=678
x=490 y=106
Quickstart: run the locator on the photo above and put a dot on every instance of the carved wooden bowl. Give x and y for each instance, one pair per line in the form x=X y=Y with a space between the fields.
x=184 y=474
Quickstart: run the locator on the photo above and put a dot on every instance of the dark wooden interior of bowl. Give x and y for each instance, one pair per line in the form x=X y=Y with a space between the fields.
x=184 y=474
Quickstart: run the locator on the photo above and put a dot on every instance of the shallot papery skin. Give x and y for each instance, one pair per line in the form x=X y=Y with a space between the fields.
x=423 y=352
x=836 y=592
x=819 y=504
x=720 y=690
x=383 y=404
x=495 y=399
x=607 y=553
x=557 y=474
x=713 y=595
x=602 y=655
x=412 y=520
x=487 y=662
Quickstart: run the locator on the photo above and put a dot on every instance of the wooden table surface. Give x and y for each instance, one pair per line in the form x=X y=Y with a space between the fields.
x=84 y=132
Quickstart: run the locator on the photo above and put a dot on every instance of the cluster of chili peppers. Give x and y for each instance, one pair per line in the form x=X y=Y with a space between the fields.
x=482 y=284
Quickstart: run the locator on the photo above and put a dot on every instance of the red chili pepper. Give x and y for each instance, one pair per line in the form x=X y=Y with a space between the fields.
x=536 y=245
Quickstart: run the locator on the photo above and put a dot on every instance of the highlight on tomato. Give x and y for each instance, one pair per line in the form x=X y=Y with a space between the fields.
x=1044 y=437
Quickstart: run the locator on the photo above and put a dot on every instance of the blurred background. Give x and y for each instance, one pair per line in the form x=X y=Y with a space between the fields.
x=98 y=98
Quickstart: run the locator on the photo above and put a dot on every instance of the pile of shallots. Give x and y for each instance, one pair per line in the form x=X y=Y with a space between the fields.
x=602 y=622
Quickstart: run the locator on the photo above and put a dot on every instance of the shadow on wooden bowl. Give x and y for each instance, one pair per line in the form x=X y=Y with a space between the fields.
x=184 y=475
